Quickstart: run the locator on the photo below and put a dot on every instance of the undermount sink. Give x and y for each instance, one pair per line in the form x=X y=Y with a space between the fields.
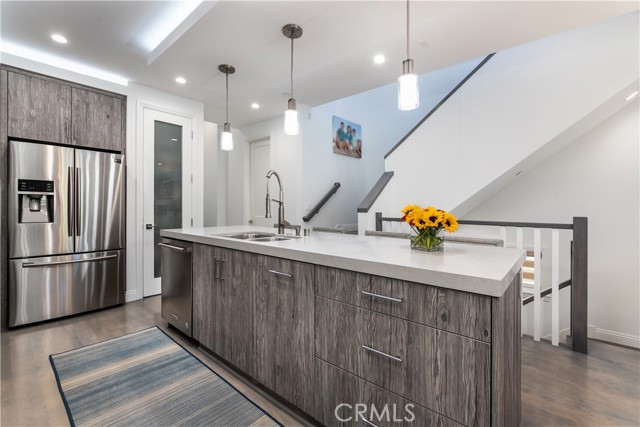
x=248 y=236
x=271 y=238
x=257 y=237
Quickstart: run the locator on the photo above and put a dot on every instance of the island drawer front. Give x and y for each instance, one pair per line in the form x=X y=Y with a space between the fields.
x=444 y=372
x=454 y=311
x=341 y=394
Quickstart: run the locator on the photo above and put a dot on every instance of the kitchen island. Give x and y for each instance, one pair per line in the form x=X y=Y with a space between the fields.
x=336 y=323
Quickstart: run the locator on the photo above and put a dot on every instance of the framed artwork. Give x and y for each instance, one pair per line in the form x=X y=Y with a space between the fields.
x=347 y=137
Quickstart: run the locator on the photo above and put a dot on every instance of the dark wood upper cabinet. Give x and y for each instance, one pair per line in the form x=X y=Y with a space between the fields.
x=39 y=109
x=97 y=120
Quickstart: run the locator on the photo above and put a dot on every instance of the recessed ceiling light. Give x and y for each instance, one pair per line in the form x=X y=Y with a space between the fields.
x=379 y=59
x=180 y=80
x=174 y=139
x=59 y=38
x=633 y=95
x=255 y=105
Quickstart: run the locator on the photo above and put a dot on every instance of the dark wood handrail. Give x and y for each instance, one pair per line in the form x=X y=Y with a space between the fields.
x=375 y=192
x=321 y=203
x=380 y=219
x=439 y=104
x=546 y=292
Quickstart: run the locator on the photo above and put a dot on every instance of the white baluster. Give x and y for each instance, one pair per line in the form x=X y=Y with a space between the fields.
x=520 y=238
x=503 y=235
x=555 y=286
x=537 y=275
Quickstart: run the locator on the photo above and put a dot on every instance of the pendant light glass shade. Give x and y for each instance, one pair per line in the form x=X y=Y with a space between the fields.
x=408 y=87
x=291 y=123
x=226 y=138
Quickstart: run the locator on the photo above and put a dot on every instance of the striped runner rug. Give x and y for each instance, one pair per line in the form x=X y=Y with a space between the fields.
x=147 y=379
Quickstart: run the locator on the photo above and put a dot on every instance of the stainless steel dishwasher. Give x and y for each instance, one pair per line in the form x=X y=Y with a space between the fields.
x=175 y=284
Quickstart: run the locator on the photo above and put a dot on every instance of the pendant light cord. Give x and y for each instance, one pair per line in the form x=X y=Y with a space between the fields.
x=408 y=56
x=291 y=90
x=227 y=98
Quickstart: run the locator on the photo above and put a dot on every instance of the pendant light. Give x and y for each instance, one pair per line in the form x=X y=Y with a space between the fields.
x=291 y=124
x=226 y=138
x=408 y=86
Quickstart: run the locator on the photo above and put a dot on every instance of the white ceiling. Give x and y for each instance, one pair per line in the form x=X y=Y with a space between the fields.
x=333 y=59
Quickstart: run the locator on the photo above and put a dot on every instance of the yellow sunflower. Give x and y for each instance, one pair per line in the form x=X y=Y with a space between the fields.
x=450 y=222
x=410 y=208
x=434 y=217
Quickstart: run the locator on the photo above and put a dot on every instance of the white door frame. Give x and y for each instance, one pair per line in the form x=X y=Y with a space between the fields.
x=252 y=145
x=189 y=211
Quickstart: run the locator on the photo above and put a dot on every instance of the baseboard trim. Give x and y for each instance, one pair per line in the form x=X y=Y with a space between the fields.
x=131 y=295
x=614 y=337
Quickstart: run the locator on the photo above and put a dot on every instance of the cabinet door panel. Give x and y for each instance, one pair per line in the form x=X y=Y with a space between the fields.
x=97 y=120
x=340 y=285
x=417 y=301
x=236 y=276
x=464 y=314
x=284 y=329
x=206 y=328
x=39 y=109
x=336 y=333
x=334 y=387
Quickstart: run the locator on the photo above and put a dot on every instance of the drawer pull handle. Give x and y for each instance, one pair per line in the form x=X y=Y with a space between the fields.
x=369 y=422
x=381 y=353
x=381 y=296
x=278 y=273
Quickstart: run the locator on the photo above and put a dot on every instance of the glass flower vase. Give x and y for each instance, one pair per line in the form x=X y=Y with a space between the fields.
x=428 y=241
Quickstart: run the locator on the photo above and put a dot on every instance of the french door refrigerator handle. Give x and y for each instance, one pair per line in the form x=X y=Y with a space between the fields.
x=69 y=203
x=73 y=261
x=77 y=201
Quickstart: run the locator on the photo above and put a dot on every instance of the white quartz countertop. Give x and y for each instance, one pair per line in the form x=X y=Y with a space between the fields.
x=484 y=270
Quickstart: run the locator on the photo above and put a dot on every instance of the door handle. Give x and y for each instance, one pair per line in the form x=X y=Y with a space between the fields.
x=149 y=226
x=69 y=203
x=72 y=261
x=77 y=215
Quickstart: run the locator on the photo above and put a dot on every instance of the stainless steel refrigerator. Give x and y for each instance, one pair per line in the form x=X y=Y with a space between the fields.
x=66 y=231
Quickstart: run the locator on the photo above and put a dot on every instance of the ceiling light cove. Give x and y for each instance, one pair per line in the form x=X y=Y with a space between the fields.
x=633 y=95
x=64 y=64
x=379 y=59
x=255 y=105
x=168 y=20
x=181 y=80
x=59 y=38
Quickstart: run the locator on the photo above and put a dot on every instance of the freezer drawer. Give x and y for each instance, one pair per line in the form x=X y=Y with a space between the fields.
x=50 y=287
x=175 y=283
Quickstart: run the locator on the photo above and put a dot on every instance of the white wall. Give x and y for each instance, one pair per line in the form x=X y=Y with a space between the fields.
x=307 y=165
x=137 y=96
x=596 y=176
x=523 y=105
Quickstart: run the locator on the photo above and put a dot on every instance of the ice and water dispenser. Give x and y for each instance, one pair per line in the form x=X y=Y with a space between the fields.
x=35 y=201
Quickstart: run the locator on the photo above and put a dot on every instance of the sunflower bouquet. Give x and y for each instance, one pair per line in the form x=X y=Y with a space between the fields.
x=428 y=223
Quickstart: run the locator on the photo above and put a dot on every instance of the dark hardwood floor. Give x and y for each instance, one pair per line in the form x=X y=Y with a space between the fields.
x=559 y=387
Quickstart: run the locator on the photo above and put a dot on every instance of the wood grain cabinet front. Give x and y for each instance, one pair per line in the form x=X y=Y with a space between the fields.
x=446 y=373
x=342 y=399
x=97 y=120
x=450 y=310
x=38 y=109
x=284 y=329
x=222 y=303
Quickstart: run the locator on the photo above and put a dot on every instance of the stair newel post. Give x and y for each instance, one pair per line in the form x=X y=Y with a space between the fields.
x=579 y=285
